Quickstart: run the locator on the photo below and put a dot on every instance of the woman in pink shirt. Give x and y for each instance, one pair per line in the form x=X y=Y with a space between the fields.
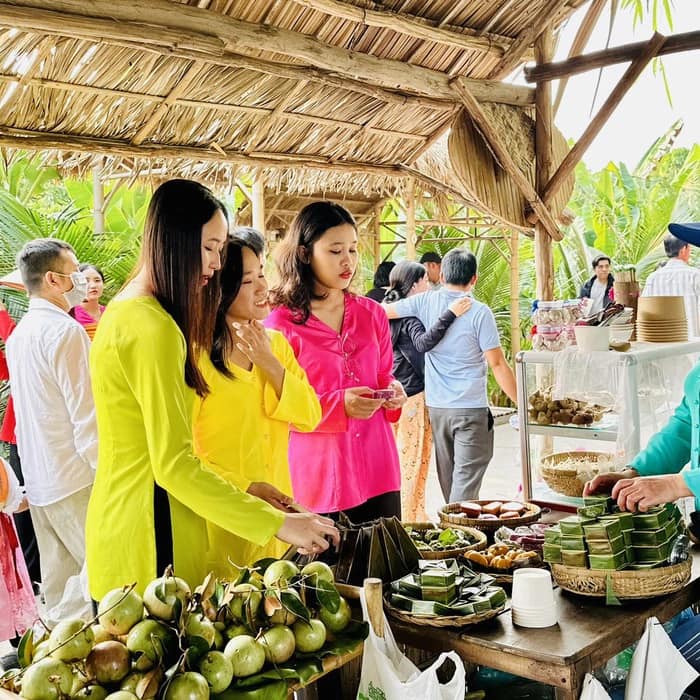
x=342 y=341
x=89 y=312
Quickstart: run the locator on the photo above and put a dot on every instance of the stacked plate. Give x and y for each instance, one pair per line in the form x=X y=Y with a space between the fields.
x=533 y=603
x=662 y=320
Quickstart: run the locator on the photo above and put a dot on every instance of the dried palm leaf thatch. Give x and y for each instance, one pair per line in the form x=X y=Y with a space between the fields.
x=482 y=177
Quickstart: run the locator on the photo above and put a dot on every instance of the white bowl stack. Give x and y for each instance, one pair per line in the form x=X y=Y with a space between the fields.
x=532 y=602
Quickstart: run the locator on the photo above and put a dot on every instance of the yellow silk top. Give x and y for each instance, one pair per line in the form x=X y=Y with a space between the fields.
x=144 y=420
x=242 y=430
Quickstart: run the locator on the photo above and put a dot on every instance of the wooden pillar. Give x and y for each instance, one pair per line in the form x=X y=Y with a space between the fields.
x=544 y=260
x=98 y=200
x=410 y=205
x=377 y=228
x=514 y=294
x=258 y=203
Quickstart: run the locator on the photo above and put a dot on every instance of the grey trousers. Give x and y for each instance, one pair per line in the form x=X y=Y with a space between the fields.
x=463 y=449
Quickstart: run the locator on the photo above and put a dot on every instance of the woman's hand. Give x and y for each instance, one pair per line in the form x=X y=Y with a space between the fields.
x=358 y=405
x=271 y=495
x=399 y=399
x=644 y=492
x=255 y=344
x=461 y=306
x=603 y=483
x=308 y=532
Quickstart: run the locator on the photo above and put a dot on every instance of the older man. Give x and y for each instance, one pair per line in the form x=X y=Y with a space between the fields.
x=47 y=356
x=455 y=377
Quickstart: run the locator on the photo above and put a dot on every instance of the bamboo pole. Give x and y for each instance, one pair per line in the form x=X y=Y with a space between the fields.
x=500 y=150
x=258 y=202
x=544 y=261
x=462 y=38
x=410 y=204
x=247 y=36
x=688 y=41
x=514 y=295
x=98 y=200
x=377 y=228
x=596 y=124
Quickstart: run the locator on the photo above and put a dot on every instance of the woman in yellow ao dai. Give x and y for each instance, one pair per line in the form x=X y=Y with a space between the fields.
x=257 y=389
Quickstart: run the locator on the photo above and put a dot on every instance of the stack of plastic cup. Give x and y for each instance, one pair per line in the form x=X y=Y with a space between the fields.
x=532 y=603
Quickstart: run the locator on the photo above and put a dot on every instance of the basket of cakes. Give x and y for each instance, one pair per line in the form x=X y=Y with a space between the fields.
x=487 y=515
x=502 y=559
x=435 y=542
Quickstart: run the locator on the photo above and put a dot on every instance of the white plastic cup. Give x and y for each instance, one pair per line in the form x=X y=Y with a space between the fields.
x=532 y=590
x=592 y=338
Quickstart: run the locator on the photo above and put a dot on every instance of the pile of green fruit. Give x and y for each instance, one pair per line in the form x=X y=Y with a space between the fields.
x=439 y=539
x=225 y=640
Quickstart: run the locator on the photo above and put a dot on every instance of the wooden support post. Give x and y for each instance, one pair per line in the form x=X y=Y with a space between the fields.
x=544 y=261
x=514 y=294
x=597 y=123
x=259 y=204
x=377 y=228
x=98 y=199
x=410 y=205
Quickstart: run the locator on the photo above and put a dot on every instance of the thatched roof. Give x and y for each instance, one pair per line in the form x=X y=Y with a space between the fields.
x=320 y=95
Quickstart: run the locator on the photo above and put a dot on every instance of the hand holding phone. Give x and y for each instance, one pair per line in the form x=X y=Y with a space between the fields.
x=384 y=394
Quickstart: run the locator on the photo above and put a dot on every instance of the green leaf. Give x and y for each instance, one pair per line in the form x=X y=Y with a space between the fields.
x=610 y=597
x=447 y=537
x=262 y=564
x=274 y=690
x=294 y=605
x=197 y=647
x=25 y=649
x=327 y=595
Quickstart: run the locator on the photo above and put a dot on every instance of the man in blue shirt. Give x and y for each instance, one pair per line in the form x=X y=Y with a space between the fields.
x=455 y=377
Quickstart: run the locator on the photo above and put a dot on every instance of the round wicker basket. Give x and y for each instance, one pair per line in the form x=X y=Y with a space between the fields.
x=480 y=541
x=627 y=585
x=440 y=620
x=451 y=515
x=565 y=479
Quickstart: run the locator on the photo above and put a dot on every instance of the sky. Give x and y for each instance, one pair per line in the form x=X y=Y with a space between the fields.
x=644 y=113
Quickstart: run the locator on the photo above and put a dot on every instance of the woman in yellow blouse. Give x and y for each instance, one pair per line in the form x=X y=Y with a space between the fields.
x=257 y=389
x=152 y=496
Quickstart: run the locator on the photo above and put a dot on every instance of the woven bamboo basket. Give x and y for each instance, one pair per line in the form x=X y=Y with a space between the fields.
x=626 y=585
x=440 y=620
x=450 y=515
x=478 y=537
x=567 y=480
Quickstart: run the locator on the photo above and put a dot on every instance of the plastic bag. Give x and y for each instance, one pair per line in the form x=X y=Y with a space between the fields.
x=387 y=674
x=649 y=677
x=593 y=689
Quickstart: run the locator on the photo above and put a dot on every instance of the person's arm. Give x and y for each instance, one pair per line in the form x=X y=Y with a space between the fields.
x=427 y=340
x=297 y=403
x=71 y=361
x=385 y=376
x=7 y=324
x=502 y=372
x=668 y=450
x=404 y=307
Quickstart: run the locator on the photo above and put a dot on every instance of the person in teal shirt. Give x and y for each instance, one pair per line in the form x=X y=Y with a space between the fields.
x=657 y=473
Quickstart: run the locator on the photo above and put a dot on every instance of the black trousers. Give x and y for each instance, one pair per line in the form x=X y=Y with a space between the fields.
x=383 y=506
x=25 y=528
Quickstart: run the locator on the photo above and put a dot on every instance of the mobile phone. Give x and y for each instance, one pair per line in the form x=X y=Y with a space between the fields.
x=384 y=394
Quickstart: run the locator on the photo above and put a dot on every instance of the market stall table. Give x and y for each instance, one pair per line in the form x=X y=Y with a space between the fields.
x=588 y=634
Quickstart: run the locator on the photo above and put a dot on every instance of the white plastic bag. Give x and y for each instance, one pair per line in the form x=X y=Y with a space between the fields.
x=658 y=671
x=593 y=689
x=387 y=674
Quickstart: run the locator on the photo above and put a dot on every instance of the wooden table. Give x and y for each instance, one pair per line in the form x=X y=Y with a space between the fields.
x=588 y=634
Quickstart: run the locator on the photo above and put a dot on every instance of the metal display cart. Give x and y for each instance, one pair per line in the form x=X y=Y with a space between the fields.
x=645 y=383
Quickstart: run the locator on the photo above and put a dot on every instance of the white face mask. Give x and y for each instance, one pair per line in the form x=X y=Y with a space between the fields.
x=76 y=295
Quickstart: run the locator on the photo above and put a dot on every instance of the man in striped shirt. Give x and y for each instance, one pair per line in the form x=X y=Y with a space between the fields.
x=677 y=279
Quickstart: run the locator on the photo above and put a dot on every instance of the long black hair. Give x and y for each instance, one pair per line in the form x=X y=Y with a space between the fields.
x=171 y=254
x=402 y=278
x=296 y=287
x=231 y=278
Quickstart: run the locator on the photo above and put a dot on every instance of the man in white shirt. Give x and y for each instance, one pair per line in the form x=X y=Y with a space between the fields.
x=47 y=355
x=432 y=263
x=599 y=288
x=677 y=279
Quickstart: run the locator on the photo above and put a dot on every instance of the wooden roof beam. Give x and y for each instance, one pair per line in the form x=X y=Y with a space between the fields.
x=688 y=41
x=538 y=24
x=500 y=151
x=466 y=39
x=245 y=36
x=567 y=166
